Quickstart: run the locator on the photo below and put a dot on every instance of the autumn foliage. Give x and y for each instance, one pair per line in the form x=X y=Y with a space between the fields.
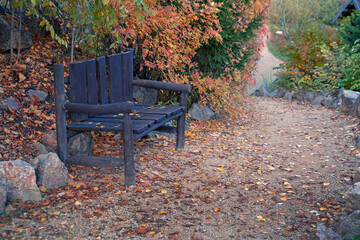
x=210 y=45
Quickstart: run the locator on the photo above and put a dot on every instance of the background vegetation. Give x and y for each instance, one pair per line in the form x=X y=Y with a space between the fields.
x=317 y=55
x=211 y=45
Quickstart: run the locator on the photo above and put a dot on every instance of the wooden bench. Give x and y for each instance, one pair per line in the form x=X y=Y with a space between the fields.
x=101 y=100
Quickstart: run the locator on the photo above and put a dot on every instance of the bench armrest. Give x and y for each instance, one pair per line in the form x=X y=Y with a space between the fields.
x=112 y=108
x=162 y=85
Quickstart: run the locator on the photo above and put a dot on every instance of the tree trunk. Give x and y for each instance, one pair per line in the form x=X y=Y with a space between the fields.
x=19 y=38
x=12 y=31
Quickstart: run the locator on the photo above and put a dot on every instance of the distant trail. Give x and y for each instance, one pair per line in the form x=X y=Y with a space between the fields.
x=265 y=67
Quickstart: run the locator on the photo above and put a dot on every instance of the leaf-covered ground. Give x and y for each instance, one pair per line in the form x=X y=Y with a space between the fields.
x=274 y=174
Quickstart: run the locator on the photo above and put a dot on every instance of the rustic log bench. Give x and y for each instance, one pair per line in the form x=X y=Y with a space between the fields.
x=101 y=100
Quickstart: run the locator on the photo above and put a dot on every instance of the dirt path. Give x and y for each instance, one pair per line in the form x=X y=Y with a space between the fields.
x=265 y=67
x=273 y=175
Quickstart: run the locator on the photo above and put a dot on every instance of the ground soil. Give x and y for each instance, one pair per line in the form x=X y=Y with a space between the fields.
x=274 y=174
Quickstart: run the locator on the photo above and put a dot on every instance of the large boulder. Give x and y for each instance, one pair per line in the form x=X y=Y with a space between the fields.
x=349 y=226
x=287 y=96
x=2 y=199
x=18 y=178
x=200 y=113
x=144 y=95
x=355 y=109
x=333 y=100
x=298 y=95
x=325 y=233
x=51 y=170
x=82 y=143
x=263 y=91
x=348 y=99
x=319 y=96
x=278 y=93
x=309 y=96
x=353 y=198
x=5 y=41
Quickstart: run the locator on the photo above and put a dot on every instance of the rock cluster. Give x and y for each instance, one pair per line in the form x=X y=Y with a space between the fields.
x=21 y=180
x=346 y=100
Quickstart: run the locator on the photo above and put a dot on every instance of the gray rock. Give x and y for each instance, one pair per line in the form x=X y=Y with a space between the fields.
x=287 y=96
x=5 y=42
x=144 y=95
x=278 y=93
x=263 y=91
x=349 y=226
x=201 y=114
x=82 y=143
x=327 y=102
x=118 y=137
x=2 y=199
x=309 y=96
x=353 y=198
x=355 y=110
x=4 y=31
x=356 y=177
x=18 y=178
x=10 y=103
x=42 y=149
x=326 y=234
x=334 y=100
x=298 y=95
x=51 y=170
x=319 y=97
x=41 y=95
x=348 y=99
x=49 y=140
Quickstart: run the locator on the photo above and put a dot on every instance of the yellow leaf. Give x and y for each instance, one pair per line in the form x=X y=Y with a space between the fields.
x=152 y=233
x=260 y=219
x=42 y=188
x=163 y=191
x=118 y=193
x=77 y=203
x=43 y=219
x=216 y=209
x=259 y=171
x=283 y=199
x=283 y=194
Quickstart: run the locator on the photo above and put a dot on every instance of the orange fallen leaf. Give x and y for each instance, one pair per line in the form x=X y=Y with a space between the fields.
x=43 y=219
x=77 y=203
x=261 y=219
x=141 y=230
x=216 y=209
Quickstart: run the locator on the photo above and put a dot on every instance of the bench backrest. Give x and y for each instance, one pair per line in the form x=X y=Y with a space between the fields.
x=102 y=80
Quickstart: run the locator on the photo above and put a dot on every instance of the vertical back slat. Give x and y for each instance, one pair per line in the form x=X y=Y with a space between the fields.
x=102 y=80
x=115 y=78
x=92 y=86
x=78 y=88
x=127 y=75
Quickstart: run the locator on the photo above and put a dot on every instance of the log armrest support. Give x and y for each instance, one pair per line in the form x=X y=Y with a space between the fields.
x=162 y=85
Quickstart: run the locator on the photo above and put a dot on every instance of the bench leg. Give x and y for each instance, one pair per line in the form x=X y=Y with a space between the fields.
x=128 y=144
x=59 y=90
x=180 y=136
